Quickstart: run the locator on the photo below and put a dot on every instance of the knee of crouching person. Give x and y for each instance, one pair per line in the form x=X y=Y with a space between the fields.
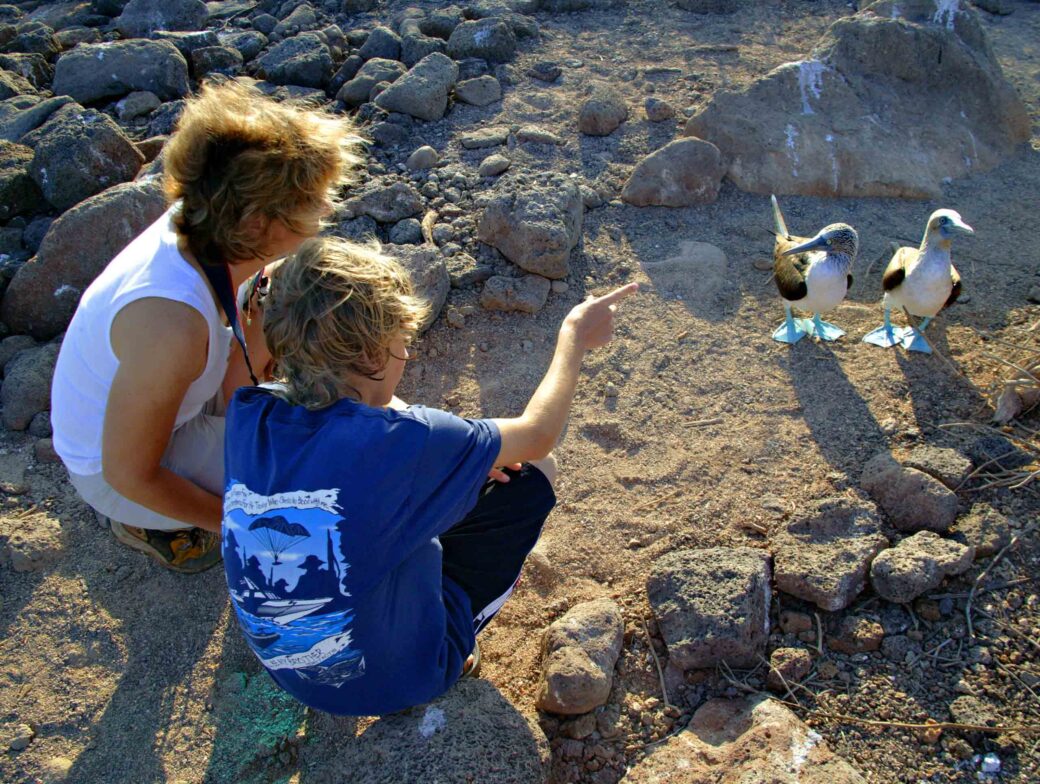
x=547 y=465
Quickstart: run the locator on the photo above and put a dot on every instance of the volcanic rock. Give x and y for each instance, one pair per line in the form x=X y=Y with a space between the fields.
x=92 y=72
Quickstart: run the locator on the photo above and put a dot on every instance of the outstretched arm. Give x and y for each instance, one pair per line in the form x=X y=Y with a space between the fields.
x=533 y=434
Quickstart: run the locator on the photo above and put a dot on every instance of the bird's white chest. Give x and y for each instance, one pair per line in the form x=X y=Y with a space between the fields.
x=927 y=284
x=827 y=284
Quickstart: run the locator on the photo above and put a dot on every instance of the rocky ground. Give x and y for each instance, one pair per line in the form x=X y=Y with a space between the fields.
x=706 y=467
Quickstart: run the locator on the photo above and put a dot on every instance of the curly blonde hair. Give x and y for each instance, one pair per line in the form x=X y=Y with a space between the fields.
x=236 y=153
x=335 y=306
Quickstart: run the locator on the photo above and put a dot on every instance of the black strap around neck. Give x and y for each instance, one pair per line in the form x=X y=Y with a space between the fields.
x=219 y=276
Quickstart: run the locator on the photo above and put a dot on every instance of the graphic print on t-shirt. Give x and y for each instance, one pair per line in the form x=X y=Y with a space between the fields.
x=286 y=571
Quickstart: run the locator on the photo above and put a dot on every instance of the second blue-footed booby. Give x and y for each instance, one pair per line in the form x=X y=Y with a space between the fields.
x=812 y=274
x=922 y=280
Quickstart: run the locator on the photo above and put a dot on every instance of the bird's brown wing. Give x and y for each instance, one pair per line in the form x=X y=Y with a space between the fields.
x=895 y=272
x=790 y=270
x=956 y=292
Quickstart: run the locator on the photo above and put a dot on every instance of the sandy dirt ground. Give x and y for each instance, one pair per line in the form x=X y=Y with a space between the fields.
x=690 y=426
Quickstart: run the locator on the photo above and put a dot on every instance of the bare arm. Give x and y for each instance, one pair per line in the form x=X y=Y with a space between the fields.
x=162 y=347
x=534 y=433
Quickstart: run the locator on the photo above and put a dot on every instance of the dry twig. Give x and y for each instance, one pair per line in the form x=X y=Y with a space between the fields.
x=981 y=577
x=660 y=672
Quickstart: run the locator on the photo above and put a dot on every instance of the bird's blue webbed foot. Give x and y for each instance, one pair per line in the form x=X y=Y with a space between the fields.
x=914 y=340
x=823 y=330
x=884 y=336
x=792 y=330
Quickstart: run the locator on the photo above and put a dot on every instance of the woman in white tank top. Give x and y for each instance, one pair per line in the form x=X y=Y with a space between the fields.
x=149 y=358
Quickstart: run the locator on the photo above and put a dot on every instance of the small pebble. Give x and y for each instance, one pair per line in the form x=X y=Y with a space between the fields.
x=610 y=390
x=559 y=287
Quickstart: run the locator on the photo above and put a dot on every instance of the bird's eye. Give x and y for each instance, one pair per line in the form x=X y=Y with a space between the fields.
x=943 y=220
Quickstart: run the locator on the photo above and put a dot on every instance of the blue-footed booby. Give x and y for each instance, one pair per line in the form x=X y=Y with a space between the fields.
x=923 y=280
x=812 y=274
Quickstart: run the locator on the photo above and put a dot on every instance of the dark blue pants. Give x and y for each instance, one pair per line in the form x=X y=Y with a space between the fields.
x=485 y=551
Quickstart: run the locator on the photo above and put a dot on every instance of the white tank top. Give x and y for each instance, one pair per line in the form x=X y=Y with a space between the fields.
x=150 y=266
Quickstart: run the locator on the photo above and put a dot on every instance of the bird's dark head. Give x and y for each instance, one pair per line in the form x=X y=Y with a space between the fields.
x=836 y=239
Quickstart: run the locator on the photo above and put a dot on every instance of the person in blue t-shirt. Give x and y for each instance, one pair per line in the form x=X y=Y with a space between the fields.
x=366 y=542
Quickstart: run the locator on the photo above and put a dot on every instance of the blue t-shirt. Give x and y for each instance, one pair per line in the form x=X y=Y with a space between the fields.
x=331 y=520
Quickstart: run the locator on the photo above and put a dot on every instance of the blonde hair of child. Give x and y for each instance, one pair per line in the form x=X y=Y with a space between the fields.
x=334 y=306
x=237 y=153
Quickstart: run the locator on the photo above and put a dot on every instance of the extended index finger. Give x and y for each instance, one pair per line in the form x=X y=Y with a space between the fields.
x=619 y=294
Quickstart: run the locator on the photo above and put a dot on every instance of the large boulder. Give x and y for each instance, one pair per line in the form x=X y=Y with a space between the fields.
x=823 y=554
x=712 y=605
x=80 y=152
x=91 y=72
x=579 y=652
x=425 y=266
x=32 y=67
x=19 y=194
x=490 y=39
x=683 y=173
x=753 y=739
x=535 y=225
x=471 y=733
x=44 y=293
x=303 y=60
x=26 y=390
x=894 y=100
x=917 y=564
x=24 y=113
x=356 y=91
x=423 y=91
x=12 y=84
x=140 y=18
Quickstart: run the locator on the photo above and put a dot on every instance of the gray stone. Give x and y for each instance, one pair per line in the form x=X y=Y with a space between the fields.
x=912 y=499
x=136 y=105
x=40 y=427
x=265 y=23
x=602 y=112
x=532 y=134
x=441 y=22
x=303 y=60
x=14 y=345
x=490 y=39
x=470 y=733
x=71 y=37
x=544 y=71
x=579 y=652
x=823 y=554
x=406 y=232
x=78 y=153
x=752 y=739
x=429 y=276
x=683 y=173
x=382 y=43
x=33 y=37
x=658 y=110
x=423 y=91
x=44 y=293
x=534 y=225
x=995 y=453
x=216 y=59
x=249 y=43
x=709 y=6
x=140 y=18
x=11 y=84
x=19 y=194
x=800 y=128
x=164 y=119
x=493 y=165
x=424 y=157
x=918 y=564
x=387 y=204
x=787 y=666
x=300 y=20
x=188 y=42
x=526 y=294
x=93 y=72
x=24 y=113
x=415 y=46
x=355 y=92
x=984 y=528
x=481 y=91
x=20 y=738
x=44 y=452
x=35 y=231
x=712 y=605
x=26 y=390
x=12 y=474
x=494 y=136
x=947 y=465
x=32 y=67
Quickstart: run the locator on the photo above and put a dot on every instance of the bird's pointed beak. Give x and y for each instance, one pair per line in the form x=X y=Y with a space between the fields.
x=813 y=244
x=961 y=227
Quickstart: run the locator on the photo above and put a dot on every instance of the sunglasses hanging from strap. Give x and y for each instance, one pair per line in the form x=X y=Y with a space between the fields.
x=219 y=277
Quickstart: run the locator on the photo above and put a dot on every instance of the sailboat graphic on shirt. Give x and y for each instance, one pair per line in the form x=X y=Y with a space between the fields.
x=288 y=585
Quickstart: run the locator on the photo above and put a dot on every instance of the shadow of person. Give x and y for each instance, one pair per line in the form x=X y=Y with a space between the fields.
x=471 y=733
